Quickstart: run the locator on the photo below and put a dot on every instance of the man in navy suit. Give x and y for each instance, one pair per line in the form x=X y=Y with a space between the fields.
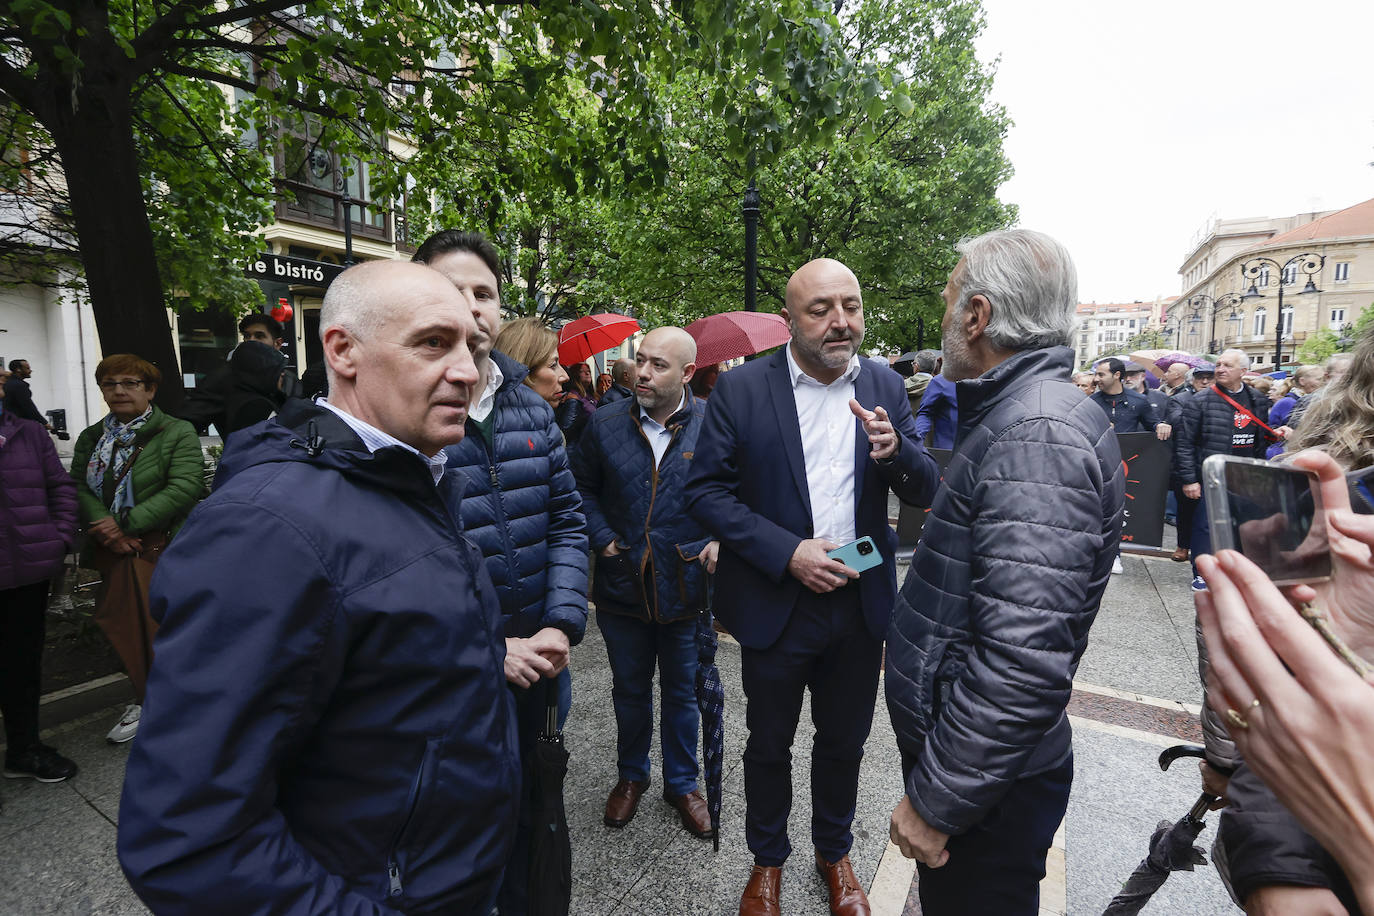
x=795 y=458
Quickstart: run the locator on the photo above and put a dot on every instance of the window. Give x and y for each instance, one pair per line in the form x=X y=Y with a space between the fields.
x=1287 y=319
x=1342 y=271
x=1337 y=319
x=1263 y=279
x=1259 y=322
x=1290 y=275
x=314 y=177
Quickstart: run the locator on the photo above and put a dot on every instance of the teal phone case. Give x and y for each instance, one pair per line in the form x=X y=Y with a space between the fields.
x=851 y=556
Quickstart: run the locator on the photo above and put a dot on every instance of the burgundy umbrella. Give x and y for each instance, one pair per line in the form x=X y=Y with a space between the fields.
x=583 y=338
x=730 y=335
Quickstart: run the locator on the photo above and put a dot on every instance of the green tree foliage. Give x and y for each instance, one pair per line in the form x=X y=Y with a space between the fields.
x=1320 y=344
x=119 y=102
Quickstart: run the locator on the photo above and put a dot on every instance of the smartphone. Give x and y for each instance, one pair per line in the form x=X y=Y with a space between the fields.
x=1272 y=513
x=858 y=555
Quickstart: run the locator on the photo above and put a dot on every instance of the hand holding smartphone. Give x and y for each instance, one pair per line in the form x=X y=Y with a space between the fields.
x=858 y=555
x=1271 y=513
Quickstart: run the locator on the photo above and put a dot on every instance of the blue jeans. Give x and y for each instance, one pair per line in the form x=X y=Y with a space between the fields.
x=634 y=646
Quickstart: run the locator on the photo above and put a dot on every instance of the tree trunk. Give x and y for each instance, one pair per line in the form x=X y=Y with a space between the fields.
x=95 y=139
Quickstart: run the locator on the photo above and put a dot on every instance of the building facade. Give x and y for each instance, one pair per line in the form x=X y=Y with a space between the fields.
x=1221 y=307
x=1104 y=329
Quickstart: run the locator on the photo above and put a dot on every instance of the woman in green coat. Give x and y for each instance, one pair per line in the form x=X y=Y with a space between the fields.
x=139 y=473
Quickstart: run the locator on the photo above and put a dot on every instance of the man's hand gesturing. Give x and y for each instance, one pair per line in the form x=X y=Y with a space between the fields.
x=815 y=570
x=882 y=438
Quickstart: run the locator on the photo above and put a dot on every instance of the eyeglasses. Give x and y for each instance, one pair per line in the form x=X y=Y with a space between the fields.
x=128 y=384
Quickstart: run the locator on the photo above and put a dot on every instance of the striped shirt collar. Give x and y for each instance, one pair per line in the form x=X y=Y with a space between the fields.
x=375 y=438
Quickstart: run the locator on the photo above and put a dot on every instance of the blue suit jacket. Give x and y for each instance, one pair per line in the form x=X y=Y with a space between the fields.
x=748 y=487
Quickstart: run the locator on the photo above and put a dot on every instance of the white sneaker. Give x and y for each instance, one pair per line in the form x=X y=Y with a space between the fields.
x=1117 y=568
x=127 y=726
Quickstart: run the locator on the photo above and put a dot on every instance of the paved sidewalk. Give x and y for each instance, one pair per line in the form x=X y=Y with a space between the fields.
x=1138 y=694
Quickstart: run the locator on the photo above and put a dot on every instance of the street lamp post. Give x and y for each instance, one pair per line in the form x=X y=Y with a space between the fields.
x=1308 y=262
x=750 y=209
x=1225 y=300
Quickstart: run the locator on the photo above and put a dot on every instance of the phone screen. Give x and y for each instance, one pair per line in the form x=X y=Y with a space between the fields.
x=1276 y=521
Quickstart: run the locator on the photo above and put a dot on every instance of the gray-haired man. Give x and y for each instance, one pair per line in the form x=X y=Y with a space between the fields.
x=990 y=624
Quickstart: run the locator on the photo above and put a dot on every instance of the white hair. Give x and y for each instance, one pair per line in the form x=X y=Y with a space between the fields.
x=1030 y=280
x=1244 y=357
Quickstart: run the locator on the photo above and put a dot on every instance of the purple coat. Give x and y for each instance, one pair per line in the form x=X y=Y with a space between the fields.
x=37 y=504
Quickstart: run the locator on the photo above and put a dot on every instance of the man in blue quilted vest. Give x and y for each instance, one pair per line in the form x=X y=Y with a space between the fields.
x=993 y=617
x=521 y=508
x=651 y=565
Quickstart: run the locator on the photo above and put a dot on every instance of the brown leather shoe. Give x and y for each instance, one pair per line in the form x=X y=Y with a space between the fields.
x=696 y=819
x=847 y=898
x=761 y=893
x=1180 y=555
x=624 y=802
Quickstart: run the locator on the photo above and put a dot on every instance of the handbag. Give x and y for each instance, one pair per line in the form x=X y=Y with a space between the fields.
x=121 y=605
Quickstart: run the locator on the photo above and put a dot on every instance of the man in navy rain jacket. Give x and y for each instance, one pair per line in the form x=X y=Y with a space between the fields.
x=327 y=727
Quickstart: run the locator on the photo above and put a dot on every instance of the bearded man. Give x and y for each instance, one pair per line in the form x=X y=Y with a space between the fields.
x=796 y=458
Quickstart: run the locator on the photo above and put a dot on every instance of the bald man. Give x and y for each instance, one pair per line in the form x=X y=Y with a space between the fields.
x=622 y=382
x=364 y=759
x=796 y=458
x=651 y=565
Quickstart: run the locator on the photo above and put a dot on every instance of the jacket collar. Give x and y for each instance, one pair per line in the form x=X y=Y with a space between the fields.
x=512 y=372
x=677 y=418
x=978 y=396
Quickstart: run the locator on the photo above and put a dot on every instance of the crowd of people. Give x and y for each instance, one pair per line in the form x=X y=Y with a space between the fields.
x=352 y=727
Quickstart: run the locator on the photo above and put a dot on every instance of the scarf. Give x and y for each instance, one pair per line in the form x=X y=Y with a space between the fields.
x=110 y=455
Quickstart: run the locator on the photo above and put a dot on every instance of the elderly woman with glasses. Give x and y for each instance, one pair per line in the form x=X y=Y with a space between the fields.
x=138 y=472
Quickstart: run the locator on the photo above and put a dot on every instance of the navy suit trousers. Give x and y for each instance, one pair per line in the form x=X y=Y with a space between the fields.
x=827 y=648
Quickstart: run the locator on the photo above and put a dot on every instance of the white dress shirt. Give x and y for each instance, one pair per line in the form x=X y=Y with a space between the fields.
x=375 y=438
x=482 y=409
x=827 y=434
x=658 y=435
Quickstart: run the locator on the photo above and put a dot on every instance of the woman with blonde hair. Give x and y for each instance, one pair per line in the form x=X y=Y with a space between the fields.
x=529 y=341
x=1339 y=420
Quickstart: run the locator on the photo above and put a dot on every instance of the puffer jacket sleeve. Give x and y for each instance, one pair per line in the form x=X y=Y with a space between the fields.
x=88 y=504
x=1185 y=456
x=1038 y=500
x=199 y=828
x=565 y=602
x=61 y=492
x=588 y=467
x=183 y=488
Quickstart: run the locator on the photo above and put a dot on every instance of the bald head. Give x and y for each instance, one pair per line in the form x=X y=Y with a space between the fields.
x=825 y=312
x=1176 y=374
x=623 y=372
x=664 y=364
x=820 y=272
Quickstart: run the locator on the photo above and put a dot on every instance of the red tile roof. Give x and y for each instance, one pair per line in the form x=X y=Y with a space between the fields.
x=1352 y=221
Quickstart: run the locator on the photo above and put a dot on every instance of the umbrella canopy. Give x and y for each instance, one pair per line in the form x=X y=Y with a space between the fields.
x=550 y=887
x=583 y=338
x=1148 y=357
x=730 y=335
x=711 y=703
x=1188 y=359
x=1171 y=850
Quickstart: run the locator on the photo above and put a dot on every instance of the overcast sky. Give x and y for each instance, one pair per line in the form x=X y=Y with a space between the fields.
x=1136 y=124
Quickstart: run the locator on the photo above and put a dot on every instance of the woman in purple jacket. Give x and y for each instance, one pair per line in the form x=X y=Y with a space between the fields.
x=37 y=528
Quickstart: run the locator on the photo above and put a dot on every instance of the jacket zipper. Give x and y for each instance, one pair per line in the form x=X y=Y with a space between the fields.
x=651 y=595
x=393 y=868
x=494 y=474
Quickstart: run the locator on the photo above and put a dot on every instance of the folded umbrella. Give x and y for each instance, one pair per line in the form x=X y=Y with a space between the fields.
x=711 y=703
x=583 y=338
x=550 y=887
x=730 y=335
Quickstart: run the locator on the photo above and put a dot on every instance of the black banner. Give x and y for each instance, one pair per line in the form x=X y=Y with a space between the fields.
x=1145 y=461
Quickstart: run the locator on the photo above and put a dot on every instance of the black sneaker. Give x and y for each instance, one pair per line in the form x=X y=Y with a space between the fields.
x=39 y=762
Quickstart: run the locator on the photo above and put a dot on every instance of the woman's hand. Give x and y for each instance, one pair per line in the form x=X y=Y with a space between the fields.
x=1302 y=718
x=104 y=531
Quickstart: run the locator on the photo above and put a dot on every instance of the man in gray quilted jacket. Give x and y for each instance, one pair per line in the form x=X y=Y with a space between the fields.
x=993 y=617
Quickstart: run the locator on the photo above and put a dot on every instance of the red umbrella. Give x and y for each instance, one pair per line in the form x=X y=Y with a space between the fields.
x=729 y=335
x=585 y=337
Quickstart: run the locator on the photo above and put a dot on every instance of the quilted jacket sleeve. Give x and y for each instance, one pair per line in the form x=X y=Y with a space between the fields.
x=61 y=492
x=183 y=488
x=1185 y=456
x=1038 y=501
x=565 y=602
x=588 y=468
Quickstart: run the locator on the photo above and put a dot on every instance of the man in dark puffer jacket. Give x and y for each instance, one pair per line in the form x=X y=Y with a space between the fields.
x=520 y=506
x=994 y=615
